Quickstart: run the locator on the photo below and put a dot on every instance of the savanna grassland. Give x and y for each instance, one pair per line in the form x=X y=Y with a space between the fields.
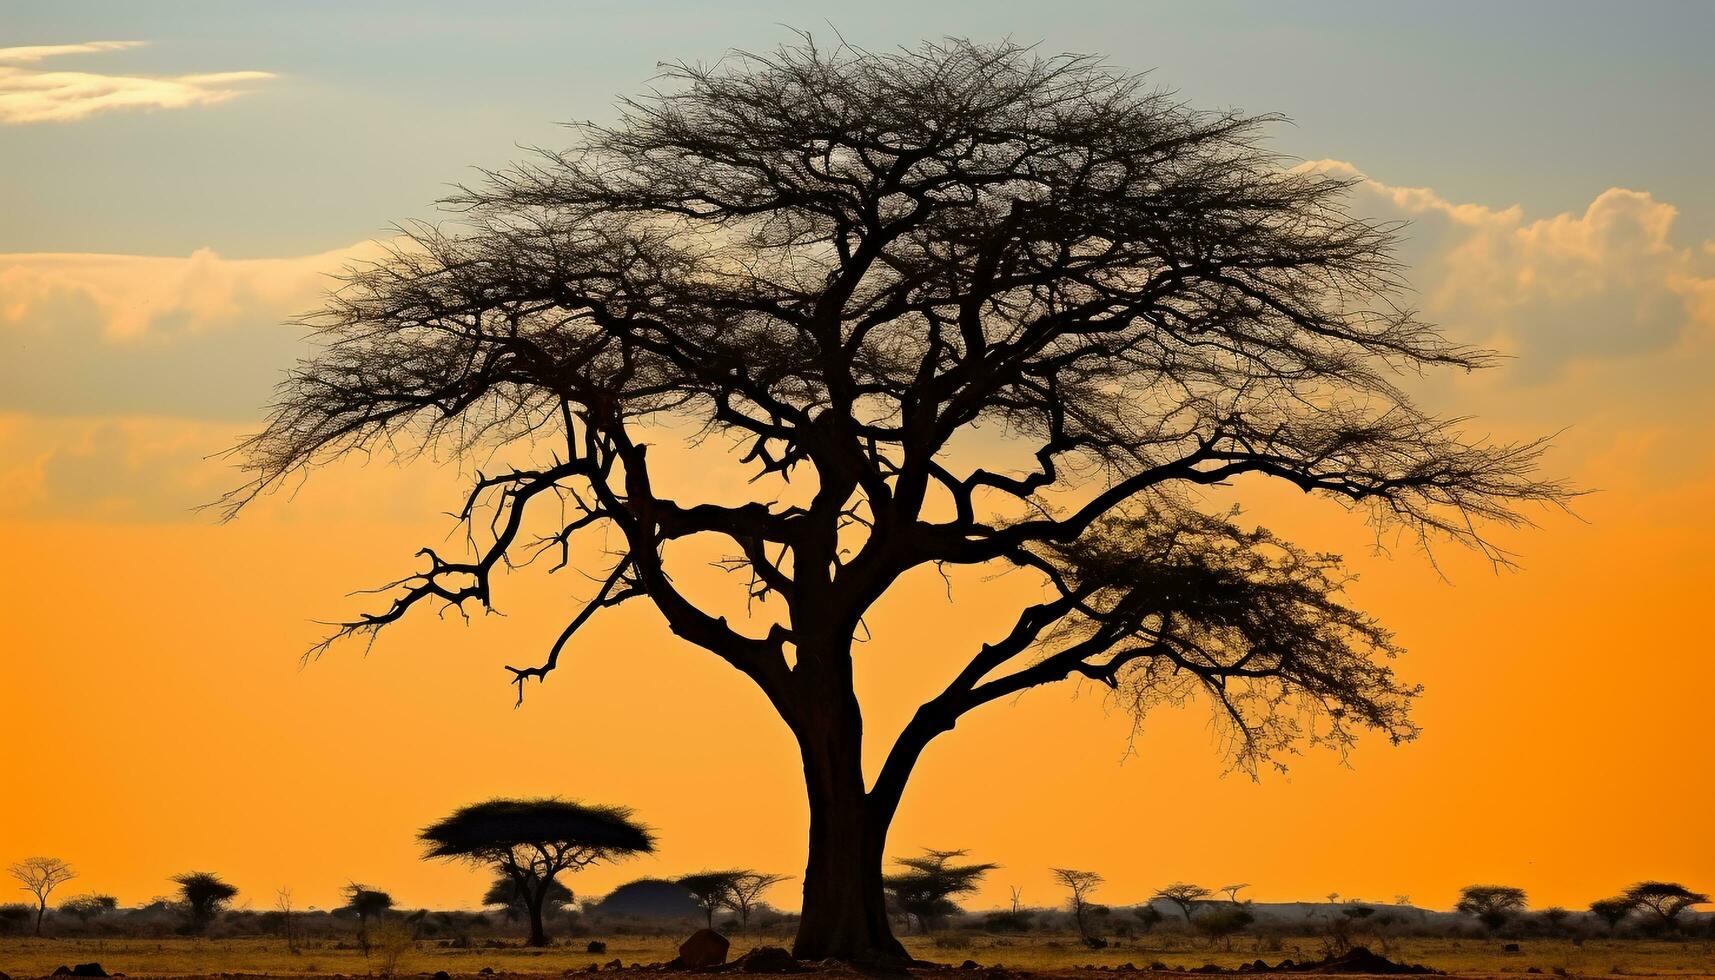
x=1058 y=955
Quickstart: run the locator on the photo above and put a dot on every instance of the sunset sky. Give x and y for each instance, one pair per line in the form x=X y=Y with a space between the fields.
x=177 y=178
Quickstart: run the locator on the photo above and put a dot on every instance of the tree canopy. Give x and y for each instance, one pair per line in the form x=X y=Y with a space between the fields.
x=579 y=833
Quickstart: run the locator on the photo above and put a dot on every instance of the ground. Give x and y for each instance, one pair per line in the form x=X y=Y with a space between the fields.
x=1058 y=957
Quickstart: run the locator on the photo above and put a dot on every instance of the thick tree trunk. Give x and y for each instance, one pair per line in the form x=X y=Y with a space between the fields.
x=844 y=912
x=538 y=935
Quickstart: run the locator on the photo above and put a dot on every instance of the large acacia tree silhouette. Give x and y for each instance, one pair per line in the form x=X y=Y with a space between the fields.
x=842 y=261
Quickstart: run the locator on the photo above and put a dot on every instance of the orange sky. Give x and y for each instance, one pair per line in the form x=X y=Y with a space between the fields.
x=156 y=719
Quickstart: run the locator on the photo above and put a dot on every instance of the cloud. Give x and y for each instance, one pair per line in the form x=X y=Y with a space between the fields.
x=33 y=53
x=31 y=95
x=109 y=469
x=1575 y=288
x=192 y=336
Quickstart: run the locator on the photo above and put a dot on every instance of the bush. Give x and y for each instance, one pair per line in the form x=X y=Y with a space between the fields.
x=15 y=917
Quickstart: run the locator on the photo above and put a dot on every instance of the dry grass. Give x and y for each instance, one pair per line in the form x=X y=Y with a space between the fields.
x=204 y=957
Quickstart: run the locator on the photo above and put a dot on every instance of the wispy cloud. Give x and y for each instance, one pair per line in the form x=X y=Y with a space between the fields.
x=32 y=95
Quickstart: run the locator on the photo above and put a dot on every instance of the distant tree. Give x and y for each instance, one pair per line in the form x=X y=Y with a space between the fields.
x=510 y=898
x=87 y=907
x=366 y=903
x=1224 y=923
x=1667 y=899
x=40 y=876
x=746 y=893
x=925 y=889
x=1081 y=884
x=532 y=840
x=288 y=918
x=1148 y=916
x=1233 y=891
x=1492 y=905
x=203 y=894
x=1183 y=895
x=842 y=263
x=1613 y=911
x=1555 y=917
x=711 y=889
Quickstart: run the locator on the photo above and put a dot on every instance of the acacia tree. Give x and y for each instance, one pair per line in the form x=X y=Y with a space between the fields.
x=711 y=889
x=532 y=841
x=1667 y=899
x=1492 y=905
x=203 y=895
x=1187 y=897
x=746 y=892
x=1080 y=884
x=925 y=889
x=367 y=903
x=1613 y=911
x=886 y=280
x=40 y=876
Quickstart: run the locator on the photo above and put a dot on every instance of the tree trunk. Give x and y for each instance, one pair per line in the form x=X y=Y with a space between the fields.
x=40 y=911
x=845 y=912
x=538 y=935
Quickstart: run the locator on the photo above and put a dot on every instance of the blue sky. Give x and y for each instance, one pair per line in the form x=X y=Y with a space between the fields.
x=379 y=105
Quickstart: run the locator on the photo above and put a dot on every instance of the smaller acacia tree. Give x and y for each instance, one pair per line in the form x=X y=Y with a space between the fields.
x=40 y=876
x=531 y=841
x=1185 y=896
x=1233 y=891
x=204 y=894
x=746 y=893
x=367 y=903
x=712 y=890
x=1613 y=911
x=1080 y=884
x=1667 y=899
x=925 y=889
x=1492 y=905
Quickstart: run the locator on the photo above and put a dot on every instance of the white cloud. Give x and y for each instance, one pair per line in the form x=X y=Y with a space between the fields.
x=188 y=336
x=1607 y=282
x=37 y=52
x=31 y=95
x=143 y=296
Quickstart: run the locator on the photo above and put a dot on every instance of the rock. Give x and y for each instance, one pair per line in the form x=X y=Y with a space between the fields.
x=596 y=946
x=969 y=965
x=487 y=971
x=61 y=971
x=613 y=964
x=442 y=975
x=767 y=959
x=1510 y=948
x=704 y=949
